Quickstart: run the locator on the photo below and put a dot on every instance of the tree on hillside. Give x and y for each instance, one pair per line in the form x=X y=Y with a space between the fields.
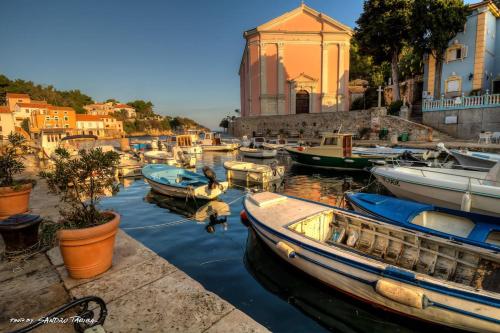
x=143 y=108
x=224 y=123
x=112 y=100
x=439 y=22
x=382 y=31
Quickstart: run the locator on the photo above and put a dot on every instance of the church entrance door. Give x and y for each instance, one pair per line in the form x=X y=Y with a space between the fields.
x=302 y=102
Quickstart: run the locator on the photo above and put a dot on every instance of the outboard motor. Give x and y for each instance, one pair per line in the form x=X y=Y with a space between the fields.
x=212 y=178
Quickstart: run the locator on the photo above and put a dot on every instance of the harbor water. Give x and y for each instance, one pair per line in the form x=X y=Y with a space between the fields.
x=229 y=260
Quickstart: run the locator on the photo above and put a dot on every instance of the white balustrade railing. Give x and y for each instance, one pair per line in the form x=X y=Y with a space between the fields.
x=461 y=102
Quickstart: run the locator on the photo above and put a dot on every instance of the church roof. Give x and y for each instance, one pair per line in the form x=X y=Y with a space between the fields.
x=299 y=10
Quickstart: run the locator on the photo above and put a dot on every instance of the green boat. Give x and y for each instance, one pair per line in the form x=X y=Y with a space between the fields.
x=335 y=152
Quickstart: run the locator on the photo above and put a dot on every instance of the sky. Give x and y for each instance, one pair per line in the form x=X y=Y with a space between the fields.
x=182 y=55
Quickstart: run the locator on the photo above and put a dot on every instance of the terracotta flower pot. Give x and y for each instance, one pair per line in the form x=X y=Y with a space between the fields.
x=88 y=252
x=14 y=200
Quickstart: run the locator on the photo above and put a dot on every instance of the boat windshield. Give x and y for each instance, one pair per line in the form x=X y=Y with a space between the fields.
x=446 y=223
x=330 y=141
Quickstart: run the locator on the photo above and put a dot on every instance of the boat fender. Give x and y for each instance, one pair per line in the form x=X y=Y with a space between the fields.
x=398 y=292
x=349 y=161
x=466 y=202
x=352 y=237
x=244 y=218
x=301 y=148
x=285 y=249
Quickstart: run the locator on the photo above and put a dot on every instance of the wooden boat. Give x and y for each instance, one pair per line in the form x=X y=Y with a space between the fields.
x=258 y=153
x=176 y=158
x=335 y=152
x=185 y=143
x=475 y=160
x=468 y=228
x=404 y=271
x=181 y=183
x=474 y=191
x=213 y=142
x=253 y=173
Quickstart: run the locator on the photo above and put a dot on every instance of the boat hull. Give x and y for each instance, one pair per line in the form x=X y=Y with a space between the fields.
x=428 y=191
x=264 y=153
x=345 y=163
x=337 y=269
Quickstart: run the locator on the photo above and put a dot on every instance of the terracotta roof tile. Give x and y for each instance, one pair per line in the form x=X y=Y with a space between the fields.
x=16 y=95
x=4 y=109
x=33 y=105
x=87 y=117
x=64 y=108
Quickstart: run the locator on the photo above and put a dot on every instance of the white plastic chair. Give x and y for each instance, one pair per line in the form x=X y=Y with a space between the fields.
x=495 y=137
x=485 y=137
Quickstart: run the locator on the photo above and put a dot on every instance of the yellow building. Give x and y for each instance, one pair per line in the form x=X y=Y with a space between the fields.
x=112 y=126
x=6 y=123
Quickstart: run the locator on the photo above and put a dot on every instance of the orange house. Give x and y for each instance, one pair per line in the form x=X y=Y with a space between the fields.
x=296 y=63
x=13 y=98
x=53 y=117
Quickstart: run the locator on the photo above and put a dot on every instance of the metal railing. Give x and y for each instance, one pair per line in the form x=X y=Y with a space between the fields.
x=461 y=102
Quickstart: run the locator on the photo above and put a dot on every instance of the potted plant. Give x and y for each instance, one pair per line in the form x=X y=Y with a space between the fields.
x=14 y=193
x=86 y=235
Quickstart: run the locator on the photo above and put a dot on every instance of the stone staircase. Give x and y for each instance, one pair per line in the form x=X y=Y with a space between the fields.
x=416 y=116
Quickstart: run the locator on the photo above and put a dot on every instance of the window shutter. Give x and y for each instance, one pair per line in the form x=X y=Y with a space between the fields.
x=465 y=50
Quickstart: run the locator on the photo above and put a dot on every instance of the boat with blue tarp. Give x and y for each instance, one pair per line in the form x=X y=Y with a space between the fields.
x=470 y=228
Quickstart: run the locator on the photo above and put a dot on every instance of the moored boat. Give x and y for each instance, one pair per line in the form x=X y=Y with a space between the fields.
x=404 y=271
x=466 y=190
x=469 y=228
x=175 y=158
x=335 y=152
x=475 y=160
x=181 y=183
x=252 y=172
x=258 y=152
x=213 y=142
x=388 y=151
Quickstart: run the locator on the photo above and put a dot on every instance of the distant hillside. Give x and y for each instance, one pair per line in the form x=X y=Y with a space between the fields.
x=76 y=99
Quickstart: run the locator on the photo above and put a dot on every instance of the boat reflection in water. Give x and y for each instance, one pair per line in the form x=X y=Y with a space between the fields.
x=333 y=310
x=200 y=211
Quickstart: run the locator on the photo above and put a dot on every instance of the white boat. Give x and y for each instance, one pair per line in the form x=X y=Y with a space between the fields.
x=473 y=191
x=186 y=144
x=257 y=142
x=212 y=142
x=253 y=173
x=475 y=160
x=258 y=153
x=245 y=141
x=278 y=144
x=181 y=183
x=175 y=158
x=404 y=271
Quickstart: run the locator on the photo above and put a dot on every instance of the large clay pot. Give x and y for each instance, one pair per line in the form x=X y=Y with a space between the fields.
x=88 y=252
x=14 y=200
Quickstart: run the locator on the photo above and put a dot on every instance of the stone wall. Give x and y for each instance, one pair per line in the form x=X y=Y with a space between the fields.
x=470 y=122
x=312 y=125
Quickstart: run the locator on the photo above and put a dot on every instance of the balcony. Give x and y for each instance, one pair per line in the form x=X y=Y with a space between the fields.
x=462 y=102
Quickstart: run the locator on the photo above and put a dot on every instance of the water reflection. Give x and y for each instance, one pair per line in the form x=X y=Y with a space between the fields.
x=198 y=210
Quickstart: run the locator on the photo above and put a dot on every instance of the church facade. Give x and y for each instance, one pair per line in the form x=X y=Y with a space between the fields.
x=296 y=63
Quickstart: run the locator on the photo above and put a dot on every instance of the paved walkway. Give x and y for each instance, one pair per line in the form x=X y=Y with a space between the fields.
x=143 y=292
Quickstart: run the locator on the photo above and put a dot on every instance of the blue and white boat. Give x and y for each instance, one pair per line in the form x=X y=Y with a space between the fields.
x=405 y=271
x=181 y=183
x=468 y=228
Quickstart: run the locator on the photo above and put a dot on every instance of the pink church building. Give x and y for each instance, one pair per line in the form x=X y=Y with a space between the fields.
x=295 y=63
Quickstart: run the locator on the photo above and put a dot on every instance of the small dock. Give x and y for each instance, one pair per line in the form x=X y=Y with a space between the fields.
x=143 y=292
